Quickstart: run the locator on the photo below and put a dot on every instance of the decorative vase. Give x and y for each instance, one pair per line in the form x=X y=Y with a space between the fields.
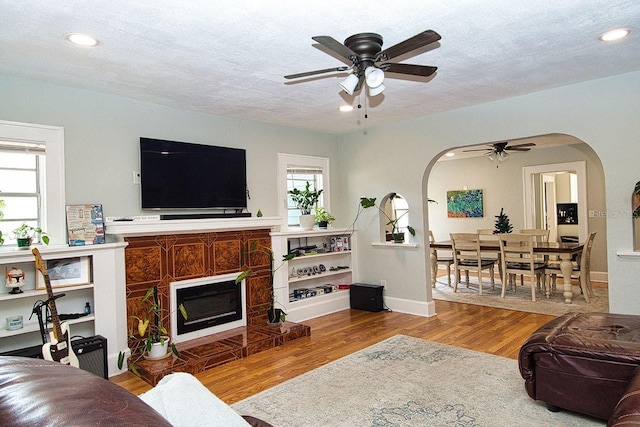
x=307 y=222
x=158 y=349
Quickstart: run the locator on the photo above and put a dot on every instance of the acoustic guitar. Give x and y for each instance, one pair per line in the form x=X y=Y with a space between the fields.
x=58 y=348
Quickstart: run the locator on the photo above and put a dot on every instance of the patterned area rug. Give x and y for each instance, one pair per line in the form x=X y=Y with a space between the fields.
x=405 y=381
x=521 y=299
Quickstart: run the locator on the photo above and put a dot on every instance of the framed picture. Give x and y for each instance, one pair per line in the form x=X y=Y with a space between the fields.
x=66 y=272
x=85 y=225
x=567 y=213
x=465 y=204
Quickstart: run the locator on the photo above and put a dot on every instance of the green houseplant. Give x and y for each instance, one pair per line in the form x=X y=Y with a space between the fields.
x=151 y=334
x=323 y=218
x=274 y=315
x=305 y=200
x=396 y=233
x=25 y=234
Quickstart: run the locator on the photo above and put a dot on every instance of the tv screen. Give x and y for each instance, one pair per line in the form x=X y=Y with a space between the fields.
x=180 y=175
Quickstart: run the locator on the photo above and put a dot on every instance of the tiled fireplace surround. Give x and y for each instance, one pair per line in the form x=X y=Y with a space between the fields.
x=159 y=259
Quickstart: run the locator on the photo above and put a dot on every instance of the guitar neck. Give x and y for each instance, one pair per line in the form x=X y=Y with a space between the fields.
x=55 y=319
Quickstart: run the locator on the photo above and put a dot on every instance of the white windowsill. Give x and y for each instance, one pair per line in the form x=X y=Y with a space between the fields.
x=395 y=245
x=628 y=254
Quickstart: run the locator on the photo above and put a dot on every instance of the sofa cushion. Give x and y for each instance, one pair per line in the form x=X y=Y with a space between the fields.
x=36 y=392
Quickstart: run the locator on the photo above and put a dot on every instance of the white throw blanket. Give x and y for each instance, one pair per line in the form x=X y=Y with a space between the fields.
x=185 y=401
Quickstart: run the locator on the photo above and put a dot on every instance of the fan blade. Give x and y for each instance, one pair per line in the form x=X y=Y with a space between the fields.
x=313 y=73
x=517 y=149
x=408 y=45
x=337 y=47
x=479 y=149
x=528 y=144
x=414 y=70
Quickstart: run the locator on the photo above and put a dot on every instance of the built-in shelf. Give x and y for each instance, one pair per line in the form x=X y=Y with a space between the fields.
x=319 y=298
x=296 y=279
x=41 y=292
x=34 y=327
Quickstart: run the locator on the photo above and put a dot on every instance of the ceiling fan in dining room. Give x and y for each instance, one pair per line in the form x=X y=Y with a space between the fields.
x=367 y=62
x=499 y=151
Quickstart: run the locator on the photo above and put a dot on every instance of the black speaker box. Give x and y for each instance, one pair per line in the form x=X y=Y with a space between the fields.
x=366 y=297
x=92 y=354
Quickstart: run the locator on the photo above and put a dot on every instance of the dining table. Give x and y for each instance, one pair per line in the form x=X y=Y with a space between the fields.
x=563 y=250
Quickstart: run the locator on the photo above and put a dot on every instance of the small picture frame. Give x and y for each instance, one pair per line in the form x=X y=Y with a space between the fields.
x=66 y=272
x=85 y=225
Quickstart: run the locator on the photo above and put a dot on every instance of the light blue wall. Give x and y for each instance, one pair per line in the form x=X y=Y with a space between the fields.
x=602 y=113
x=102 y=135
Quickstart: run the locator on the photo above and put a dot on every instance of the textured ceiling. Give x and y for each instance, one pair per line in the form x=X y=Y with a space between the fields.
x=228 y=58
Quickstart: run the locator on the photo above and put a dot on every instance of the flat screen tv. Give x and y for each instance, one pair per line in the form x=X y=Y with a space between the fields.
x=181 y=175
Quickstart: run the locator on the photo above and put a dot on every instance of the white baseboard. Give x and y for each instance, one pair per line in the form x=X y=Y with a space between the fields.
x=418 y=308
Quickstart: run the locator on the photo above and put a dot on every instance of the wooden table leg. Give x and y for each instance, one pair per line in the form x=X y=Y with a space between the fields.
x=566 y=267
x=434 y=268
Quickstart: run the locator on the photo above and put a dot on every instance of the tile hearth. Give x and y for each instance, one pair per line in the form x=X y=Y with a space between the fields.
x=205 y=353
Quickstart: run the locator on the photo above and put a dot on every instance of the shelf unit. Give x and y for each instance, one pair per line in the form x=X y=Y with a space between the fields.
x=104 y=292
x=300 y=284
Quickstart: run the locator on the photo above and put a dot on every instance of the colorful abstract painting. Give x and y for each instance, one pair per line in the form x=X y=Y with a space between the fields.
x=464 y=204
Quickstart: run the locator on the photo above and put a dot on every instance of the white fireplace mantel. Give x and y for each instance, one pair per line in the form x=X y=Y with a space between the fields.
x=185 y=226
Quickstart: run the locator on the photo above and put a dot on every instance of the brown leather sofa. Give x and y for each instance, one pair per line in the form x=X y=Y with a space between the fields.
x=587 y=363
x=36 y=392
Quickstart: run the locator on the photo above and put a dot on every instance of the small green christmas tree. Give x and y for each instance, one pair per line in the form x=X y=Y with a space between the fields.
x=502 y=223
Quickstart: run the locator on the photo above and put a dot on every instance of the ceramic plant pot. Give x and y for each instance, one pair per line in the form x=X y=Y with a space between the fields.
x=307 y=222
x=158 y=349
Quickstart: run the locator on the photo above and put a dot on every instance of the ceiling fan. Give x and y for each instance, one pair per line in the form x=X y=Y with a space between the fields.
x=368 y=61
x=498 y=151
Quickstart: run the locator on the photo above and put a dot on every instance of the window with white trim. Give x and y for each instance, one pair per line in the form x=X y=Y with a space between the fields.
x=295 y=171
x=21 y=171
x=32 y=179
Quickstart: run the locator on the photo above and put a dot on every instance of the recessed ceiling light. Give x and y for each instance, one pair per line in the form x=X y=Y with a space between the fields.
x=82 y=39
x=450 y=154
x=617 y=34
x=346 y=108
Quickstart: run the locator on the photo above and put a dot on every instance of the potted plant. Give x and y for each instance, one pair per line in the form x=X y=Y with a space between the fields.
x=305 y=200
x=323 y=218
x=25 y=234
x=152 y=340
x=396 y=233
x=275 y=316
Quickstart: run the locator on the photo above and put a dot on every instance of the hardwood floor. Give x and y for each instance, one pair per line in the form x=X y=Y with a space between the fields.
x=486 y=329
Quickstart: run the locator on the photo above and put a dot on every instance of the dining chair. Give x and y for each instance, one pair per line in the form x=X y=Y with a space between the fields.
x=447 y=261
x=516 y=253
x=489 y=234
x=581 y=268
x=467 y=256
x=541 y=234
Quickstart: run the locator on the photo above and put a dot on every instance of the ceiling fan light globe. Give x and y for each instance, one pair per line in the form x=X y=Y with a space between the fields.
x=373 y=91
x=373 y=76
x=349 y=84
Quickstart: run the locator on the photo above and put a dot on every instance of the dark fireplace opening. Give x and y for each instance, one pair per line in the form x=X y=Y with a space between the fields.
x=209 y=305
